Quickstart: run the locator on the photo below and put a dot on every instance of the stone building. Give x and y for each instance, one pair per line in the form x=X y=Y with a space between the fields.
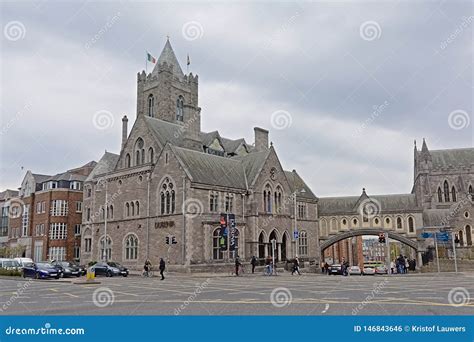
x=172 y=180
x=46 y=216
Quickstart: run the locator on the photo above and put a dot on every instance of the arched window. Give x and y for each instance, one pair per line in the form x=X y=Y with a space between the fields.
x=180 y=109
x=111 y=212
x=137 y=157
x=471 y=192
x=303 y=243
x=411 y=225
x=137 y=206
x=399 y=223
x=150 y=154
x=468 y=235
x=139 y=151
x=453 y=194
x=105 y=248
x=277 y=199
x=131 y=247
x=143 y=156
x=440 y=195
x=132 y=209
x=267 y=198
x=127 y=160
x=127 y=209
x=217 y=242
x=446 y=191
x=324 y=228
x=151 y=106
x=168 y=197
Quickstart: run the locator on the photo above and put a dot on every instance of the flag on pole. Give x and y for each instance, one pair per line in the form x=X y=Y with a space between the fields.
x=150 y=58
x=189 y=61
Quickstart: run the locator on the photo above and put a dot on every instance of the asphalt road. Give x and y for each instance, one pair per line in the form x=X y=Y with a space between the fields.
x=179 y=294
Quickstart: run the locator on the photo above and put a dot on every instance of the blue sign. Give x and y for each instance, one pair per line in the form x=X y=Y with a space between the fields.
x=296 y=234
x=426 y=235
x=442 y=236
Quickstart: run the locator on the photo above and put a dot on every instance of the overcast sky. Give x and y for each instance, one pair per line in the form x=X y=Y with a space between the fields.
x=344 y=88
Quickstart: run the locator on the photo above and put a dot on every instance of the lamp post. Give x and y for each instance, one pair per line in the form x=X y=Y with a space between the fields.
x=295 y=230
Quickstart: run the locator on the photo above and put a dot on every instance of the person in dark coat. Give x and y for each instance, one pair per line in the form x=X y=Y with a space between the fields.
x=253 y=262
x=162 y=268
x=237 y=265
x=296 y=266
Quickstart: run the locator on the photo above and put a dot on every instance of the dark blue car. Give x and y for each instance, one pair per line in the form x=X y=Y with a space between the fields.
x=40 y=270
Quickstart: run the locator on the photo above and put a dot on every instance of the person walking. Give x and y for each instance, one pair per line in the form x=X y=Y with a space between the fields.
x=237 y=265
x=162 y=268
x=253 y=262
x=392 y=266
x=326 y=268
x=296 y=266
x=147 y=268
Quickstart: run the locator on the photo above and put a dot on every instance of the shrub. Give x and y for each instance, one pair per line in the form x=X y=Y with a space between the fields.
x=10 y=273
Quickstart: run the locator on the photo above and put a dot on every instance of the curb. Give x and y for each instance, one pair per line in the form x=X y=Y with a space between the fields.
x=32 y=279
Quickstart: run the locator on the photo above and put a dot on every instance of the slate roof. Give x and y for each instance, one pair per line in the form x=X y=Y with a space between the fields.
x=348 y=205
x=231 y=146
x=40 y=178
x=252 y=164
x=6 y=194
x=106 y=164
x=167 y=56
x=455 y=157
x=67 y=176
x=209 y=169
x=297 y=184
x=436 y=217
x=165 y=131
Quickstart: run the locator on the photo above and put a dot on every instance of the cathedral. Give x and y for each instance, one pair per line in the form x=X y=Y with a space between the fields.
x=165 y=194
x=199 y=199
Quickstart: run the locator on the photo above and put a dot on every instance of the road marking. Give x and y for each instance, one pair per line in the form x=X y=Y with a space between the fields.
x=326 y=308
x=71 y=295
x=54 y=290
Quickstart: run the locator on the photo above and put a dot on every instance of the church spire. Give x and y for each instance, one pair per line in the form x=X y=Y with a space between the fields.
x=167 y=56
x=424 y=148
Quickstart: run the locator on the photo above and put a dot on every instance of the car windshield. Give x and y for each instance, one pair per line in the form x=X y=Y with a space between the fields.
x=10 y=263
x=44 y=264
x=65 y=263
x=114 y=264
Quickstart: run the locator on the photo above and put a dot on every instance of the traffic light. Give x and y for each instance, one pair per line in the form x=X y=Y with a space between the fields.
x=381 y=238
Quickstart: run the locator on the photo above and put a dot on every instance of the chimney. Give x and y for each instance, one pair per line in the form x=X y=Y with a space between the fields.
x=261 y=138
x=124 y=130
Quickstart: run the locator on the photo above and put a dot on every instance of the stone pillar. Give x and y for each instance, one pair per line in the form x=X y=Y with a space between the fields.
x=419 y=262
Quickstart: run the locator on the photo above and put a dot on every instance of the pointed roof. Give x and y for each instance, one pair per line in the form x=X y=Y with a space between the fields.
x=106 y=164
x=167 y=56
x=297 y=184
x=424 y=148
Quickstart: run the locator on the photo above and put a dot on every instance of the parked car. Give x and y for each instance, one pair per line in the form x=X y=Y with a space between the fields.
x=368 y=271
x=381 y=270
x=10 y=264
x=109 y=269
x=40 y=270
x=58 y=267
x=82 y=269
x=24 y=261
x=68 y=269
x=355 y=270
x=335 y=269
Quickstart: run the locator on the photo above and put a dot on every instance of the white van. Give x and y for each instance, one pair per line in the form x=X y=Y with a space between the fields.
x=24 y=261
x=9 y=264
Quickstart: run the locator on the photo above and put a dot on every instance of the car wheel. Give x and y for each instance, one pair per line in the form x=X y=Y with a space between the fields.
x=109 y=274
x=23 y=274
x=78 y=275
x=37 y=276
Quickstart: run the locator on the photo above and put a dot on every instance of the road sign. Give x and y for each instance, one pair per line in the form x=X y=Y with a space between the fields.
x=442 y=236
x=426 y=235
x=296 y=234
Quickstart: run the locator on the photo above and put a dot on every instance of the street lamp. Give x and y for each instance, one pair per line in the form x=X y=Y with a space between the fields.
x=295 y=230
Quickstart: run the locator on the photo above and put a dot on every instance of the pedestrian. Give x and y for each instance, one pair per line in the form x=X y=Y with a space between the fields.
x=407 y=265
x=322 y=267
x=237 y=265
x=401 y=264
x=296 y=266
x=253 y=262
x=414 y=264
x=326 y=268
x=268 y=265
x=147 y=268
x=162 y=268
x=392 y=266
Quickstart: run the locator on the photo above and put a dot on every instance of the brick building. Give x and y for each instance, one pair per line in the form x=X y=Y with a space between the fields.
x=46 y=219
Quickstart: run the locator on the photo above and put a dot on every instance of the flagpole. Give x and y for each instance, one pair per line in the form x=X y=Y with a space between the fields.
x=146 y=63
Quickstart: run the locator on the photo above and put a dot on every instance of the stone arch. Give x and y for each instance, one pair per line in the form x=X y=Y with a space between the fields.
x=369 y=231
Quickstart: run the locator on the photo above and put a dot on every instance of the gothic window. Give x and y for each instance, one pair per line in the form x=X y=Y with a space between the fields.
x=139 y=152
x=399 y=223
x=446 y=191
x=127 y=209
x=217 y=253
x=277 y=199
x=131 y=247
x=440 y=195
x=229 y=203
x=267 y=199
x=151 y=106
x=303 y=243
x=453 y=194
x=143 y=156
x=471 y=192
x=150 y=154
x=167 y=197
x=180 y=109
x=110 y=212
x=411 y=225
x=137 y=157
x=468 y=235
x=213 y=201
x=137 y=206
x=132 y=209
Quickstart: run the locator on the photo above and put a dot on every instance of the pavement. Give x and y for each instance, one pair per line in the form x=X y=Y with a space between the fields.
x=222 y=294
